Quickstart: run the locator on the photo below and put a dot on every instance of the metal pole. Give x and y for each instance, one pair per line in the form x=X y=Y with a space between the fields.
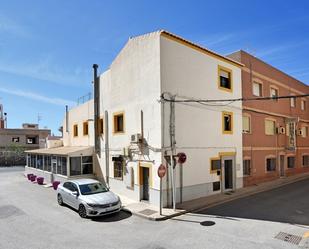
x=173 y=183
x=161 y=196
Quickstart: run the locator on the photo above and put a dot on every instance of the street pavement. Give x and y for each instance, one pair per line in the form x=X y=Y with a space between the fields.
x=31 y=218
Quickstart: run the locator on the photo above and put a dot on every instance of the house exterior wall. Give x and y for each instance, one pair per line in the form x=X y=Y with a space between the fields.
x=77 y=116
x=132 y=85
x=193 y=74
x=257 y=145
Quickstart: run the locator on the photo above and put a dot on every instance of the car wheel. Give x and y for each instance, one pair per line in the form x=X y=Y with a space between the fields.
x=82 y=211
x=60 y=200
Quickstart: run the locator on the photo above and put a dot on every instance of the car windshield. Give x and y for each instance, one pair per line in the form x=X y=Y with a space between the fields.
x=92 y=188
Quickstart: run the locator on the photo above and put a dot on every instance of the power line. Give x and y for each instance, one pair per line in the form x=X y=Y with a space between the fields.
x=202 y=101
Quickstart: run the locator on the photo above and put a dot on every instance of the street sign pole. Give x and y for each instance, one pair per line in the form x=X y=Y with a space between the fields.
x=173 y=182
x=161 y=174
x=161 y=196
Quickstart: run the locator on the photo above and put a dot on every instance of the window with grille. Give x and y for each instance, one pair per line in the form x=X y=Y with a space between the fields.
x=118 y=169
x=291 y=162
x=271 y=164
x=306 y=160
x=246 y=167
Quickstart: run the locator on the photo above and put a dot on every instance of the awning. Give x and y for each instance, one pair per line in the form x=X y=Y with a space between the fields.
x=64 y=150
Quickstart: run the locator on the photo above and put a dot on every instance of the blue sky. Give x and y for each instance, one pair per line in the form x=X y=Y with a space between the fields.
x=47 y=48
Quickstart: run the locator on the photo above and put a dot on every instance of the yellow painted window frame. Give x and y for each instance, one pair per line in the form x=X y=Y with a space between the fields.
x=85 y=128
x=101 y=125
x=214 y=159
x=224 y=113
x=75 y=130
x=230 y=72
x=116 y=114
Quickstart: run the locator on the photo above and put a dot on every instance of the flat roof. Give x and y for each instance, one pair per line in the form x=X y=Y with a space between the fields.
x=63 y=150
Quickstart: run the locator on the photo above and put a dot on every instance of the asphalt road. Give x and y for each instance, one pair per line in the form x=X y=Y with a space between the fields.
x=30 y=218
x=289 y=204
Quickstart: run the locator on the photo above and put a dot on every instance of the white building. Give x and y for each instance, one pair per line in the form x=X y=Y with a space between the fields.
x=137 y=127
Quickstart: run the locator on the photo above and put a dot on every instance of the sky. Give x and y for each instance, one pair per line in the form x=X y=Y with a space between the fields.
x=47 y=48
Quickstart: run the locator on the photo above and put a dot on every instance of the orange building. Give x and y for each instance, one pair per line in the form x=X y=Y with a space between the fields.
x=275 y=132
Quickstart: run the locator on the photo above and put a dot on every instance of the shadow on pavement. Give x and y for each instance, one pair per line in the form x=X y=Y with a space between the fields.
x=287 y=204
x=113 y=217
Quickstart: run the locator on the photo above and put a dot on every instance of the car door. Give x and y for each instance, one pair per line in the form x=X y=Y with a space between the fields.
x=67 y=193
x=74 y=198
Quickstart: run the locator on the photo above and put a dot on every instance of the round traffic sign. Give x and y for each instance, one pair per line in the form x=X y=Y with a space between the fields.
x=161 y=171
x=182 y=157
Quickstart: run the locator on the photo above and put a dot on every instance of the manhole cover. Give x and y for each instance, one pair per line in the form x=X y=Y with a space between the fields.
x=147 y=212
x=9 y=210
x=290 y=238
x=207 y=223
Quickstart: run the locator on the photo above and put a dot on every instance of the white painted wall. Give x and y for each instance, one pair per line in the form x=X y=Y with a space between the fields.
x=191 y=73
x=78 y=115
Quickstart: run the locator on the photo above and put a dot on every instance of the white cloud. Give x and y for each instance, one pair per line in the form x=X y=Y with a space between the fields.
x=37 y=97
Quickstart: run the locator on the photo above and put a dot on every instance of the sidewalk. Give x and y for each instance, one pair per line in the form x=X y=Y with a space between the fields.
x=150 y=212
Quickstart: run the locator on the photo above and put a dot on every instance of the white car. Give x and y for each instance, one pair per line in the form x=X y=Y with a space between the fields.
x=90 y=197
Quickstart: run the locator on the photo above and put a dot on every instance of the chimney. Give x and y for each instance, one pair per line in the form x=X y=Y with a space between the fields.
x=96 y=102
x=66 y=118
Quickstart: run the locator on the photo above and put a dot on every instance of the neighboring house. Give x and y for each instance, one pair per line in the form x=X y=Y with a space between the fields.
x=73 y=156
x=275 y=132
x=136 y=131
x=13 y=143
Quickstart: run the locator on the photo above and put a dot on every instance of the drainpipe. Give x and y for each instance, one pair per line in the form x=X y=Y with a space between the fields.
x=66 y=118
x=96 y=110
x=106 y=132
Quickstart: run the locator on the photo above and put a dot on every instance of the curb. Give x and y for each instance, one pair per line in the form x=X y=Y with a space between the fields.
x=265 y=189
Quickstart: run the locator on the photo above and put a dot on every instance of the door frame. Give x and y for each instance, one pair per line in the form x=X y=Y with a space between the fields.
x=282 y=166
x=223 y=158
x=140 y=177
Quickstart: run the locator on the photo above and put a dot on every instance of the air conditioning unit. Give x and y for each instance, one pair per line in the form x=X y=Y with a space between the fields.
x=299 y=132
x=281 y=130
x=136 y=138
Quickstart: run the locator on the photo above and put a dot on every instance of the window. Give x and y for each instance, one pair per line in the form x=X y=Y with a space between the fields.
x=215 y=164
x=246 y=167
x=118 y=169
x=304 y=131
x=47 y=163
x=39 y=162
x=101 y=126
x=75 y=166
x=274 y=93
x=246 y=124
x=15 y=139
x=306 y=161
x=293 y=101
x=270 y=127
x=215 y=186
x=303 y=105
x=62 y=165
x=227 y=122
x=87 y=165
x=119 y=123
x=271 y=164
x=32 y=140
x=225 y=78
x=75 y=130
x=85 y=128
x=291 y=162
x=257 y=89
